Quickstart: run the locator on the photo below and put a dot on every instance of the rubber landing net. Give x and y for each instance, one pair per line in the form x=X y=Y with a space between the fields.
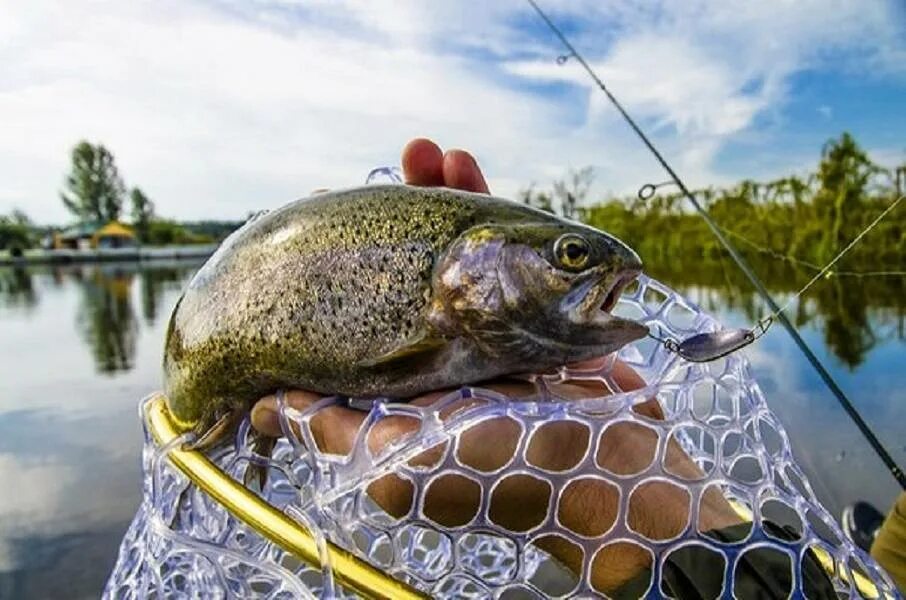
x=184 y=543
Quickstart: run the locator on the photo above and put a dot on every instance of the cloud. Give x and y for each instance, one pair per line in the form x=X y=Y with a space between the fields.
x=218 y=109
x=217 y=116
x=703 y=73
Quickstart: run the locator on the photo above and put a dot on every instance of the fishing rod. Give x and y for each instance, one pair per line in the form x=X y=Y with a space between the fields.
x=704 y=347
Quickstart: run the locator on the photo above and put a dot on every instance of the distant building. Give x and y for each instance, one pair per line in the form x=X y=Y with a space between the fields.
x=91 y=235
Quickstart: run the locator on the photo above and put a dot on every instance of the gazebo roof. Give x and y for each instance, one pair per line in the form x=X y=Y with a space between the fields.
x=115 y=228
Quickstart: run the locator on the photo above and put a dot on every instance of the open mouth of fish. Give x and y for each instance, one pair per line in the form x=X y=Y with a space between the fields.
x=616 y=290
x=592 y=300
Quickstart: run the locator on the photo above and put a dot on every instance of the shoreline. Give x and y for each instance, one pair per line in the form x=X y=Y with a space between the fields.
x=45 y=257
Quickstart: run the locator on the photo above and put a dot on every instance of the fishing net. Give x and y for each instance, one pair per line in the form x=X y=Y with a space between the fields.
x=388 y=499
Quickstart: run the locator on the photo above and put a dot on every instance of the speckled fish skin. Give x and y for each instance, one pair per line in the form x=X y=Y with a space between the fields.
x=388 y=290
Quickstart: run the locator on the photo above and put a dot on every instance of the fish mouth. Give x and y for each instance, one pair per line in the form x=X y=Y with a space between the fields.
x=596 y=295
x=615 y=290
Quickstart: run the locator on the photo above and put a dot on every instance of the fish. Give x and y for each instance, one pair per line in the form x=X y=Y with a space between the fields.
x=389 y=291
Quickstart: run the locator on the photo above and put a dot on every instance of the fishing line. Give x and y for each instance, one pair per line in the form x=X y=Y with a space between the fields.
x=804 y=263
x=848 y=247
x=710 y=346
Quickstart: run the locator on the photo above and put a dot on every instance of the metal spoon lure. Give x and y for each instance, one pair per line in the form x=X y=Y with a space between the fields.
x=705 y=347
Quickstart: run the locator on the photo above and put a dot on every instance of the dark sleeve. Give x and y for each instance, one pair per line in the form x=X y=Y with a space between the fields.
x=694 y=573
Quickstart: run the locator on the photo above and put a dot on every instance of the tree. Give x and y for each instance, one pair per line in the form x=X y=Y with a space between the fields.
x=899 y=177
x=572 y=190
x=844 y=175
x=95 y=188
x=142 y=212
x=14 y=235
x=541 y=200
x=19 y=217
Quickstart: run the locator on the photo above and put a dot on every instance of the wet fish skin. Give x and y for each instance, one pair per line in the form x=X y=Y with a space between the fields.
x=388 y=290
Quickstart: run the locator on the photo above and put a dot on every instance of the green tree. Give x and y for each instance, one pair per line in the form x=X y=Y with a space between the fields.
x=19 y=217
x=899 y=180
x=142 y=212
x=844 y=175
x=15 y=234
x=163 y=232
x=95 y=189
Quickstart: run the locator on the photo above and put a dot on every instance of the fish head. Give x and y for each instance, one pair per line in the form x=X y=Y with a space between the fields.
x=537 y=288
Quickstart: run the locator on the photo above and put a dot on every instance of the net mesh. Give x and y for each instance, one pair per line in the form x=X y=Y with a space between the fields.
x=474 y=495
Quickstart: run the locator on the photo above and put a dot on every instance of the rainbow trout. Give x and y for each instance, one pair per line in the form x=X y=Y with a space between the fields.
x=390 y=291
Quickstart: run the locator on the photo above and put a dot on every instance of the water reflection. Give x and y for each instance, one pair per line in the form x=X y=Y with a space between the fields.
x=16 y=288
x=155 y=282
x=854 y=314
x=105 y=318
x=70 y=439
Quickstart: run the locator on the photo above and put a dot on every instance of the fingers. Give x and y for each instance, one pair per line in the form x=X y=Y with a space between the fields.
x=334 y=427
x=265 y=416
x=622 y=375
x=422 y=163
x=461 y=172
x=628 y=380
x=425 y=164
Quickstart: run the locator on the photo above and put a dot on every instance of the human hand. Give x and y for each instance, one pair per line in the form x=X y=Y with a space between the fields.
x=455 y=500
x=520 y=503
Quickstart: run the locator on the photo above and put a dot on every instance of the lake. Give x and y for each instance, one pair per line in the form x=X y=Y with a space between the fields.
x=82 y=345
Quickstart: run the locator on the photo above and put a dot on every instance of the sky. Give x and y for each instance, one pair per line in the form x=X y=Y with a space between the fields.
x=217 y=108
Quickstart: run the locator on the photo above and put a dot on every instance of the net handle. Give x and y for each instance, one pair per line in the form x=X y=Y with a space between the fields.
x=350 y=571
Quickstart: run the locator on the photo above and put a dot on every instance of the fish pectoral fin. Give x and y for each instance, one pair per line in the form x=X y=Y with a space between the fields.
x=219 y=431
x=256 y=472
x=417 y=345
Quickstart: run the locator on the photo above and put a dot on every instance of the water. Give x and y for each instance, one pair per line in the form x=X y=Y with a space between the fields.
x=82 y=345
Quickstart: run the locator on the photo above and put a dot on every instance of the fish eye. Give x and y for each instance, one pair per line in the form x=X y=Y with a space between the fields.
x=572 y=251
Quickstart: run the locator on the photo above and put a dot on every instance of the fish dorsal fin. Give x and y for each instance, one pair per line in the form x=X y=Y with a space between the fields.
x=420 y=343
